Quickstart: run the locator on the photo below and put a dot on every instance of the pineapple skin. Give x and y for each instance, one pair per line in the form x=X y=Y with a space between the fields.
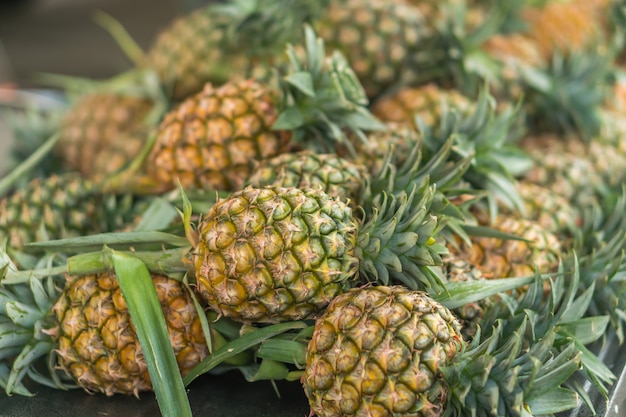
x=334 y=175
x=60 y=206
x=503 y=258
x=275 y=254
x=212 y=139
x=378 y=351
x=96 y=342
x=426 y=102
x=377 y=37
x=567 y=26
x=102 y=132
x=195 y=49
x=458 y=269
x=576 y=170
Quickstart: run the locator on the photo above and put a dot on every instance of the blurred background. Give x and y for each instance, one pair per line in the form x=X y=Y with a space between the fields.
x=62 y=37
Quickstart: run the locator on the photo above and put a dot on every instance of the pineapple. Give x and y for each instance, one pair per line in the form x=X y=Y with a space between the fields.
x=548 y=208
x=428 y=102
x=575 y=170
x=564 y=25
x=379 y=38
x=213 y=139
x=332 y=174
x=216 y=42
x=60 y=206
x=86 y=330
x=116 y=155
x=389 y=351
x=274 y=254
x=502 y=257
x=103 y=131
x=380 y=351
x=457 y=268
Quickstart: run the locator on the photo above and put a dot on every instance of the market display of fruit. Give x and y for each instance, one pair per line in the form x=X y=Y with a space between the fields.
x=400 y=207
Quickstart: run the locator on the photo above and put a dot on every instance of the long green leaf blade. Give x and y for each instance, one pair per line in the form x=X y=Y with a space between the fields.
x=94 y=242
x=145 y=310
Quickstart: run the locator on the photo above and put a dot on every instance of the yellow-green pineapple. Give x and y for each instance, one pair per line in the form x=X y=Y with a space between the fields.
x=86 y=334
x=388 y=351
x=217 y=42
x=334 y=175
x=57 y=207
x=427 y=102
x=274 y=254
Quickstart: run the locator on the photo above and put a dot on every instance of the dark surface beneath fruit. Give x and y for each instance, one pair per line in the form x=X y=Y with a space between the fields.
x=227 y=395
x=230 y=395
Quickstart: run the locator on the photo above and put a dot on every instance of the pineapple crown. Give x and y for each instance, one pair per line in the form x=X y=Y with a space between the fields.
x=397 y=239
x=61 y=206
x=322 y=97
x=487 y=136
x=567 y=96
x=602 y=243
x=526 y=359
x=441 y=170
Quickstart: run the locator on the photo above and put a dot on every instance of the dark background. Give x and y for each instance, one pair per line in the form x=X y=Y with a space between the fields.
x=60 y=36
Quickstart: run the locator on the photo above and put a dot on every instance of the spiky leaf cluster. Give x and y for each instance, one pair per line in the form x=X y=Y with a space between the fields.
x=566 y=96
x=397 y=241
x=602 y=243
x=528 y=353
x=487 y=136
x=322 y=97
x=24 y=309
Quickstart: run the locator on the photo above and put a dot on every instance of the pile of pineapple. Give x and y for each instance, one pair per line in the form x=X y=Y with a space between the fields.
x=409 y=207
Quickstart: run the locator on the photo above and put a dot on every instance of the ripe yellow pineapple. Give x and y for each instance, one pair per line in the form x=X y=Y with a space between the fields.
x=565 y=25
x=576 y=170
x=103 y=131
x=87 y=332
x=380 y=351
x=498 y=257
x=212 y=140
x=428 y=102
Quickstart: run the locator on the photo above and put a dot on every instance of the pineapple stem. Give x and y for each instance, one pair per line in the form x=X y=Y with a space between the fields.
x=121 y=36
x=166 y=262
x=28 y=165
